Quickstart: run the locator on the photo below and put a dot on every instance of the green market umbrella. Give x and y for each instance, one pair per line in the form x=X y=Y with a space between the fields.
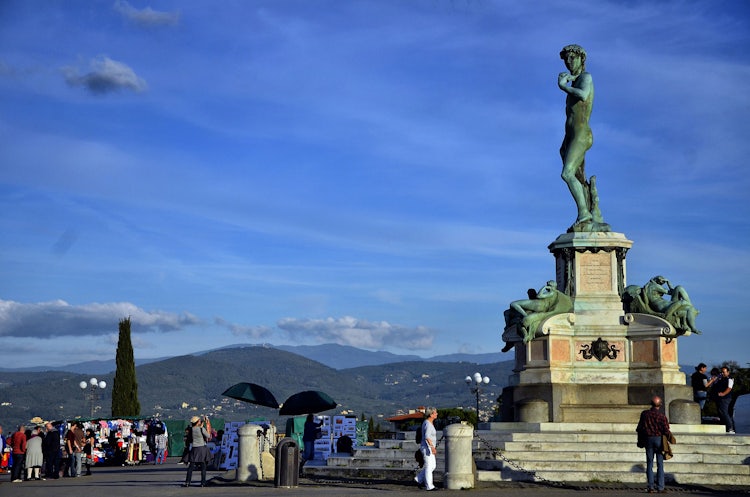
x=252 y=393
x=307 y=402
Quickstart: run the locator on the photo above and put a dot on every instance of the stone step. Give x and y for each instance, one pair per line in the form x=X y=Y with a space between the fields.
x=396 y=444
x=636 y=456
x=396 y=474
x=494 y=427
x=546 y=447
x=592 y=437
x=626 y=466
x=384 y=453
x=614 y=477
x=377 y=462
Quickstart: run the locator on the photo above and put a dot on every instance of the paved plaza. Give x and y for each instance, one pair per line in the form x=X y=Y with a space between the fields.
x=165 y=481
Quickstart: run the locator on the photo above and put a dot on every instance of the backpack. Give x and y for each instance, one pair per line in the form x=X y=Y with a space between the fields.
x=418 y=435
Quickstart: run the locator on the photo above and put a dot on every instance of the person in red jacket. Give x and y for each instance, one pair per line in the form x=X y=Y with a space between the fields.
x=17 y=444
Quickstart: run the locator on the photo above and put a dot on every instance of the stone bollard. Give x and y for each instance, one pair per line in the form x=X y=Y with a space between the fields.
x=248 y=455
x=459 y=462
x=683 y=411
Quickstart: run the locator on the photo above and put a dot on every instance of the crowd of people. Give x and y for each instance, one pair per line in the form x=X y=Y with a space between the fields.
x=48 y=451
x=61 y=449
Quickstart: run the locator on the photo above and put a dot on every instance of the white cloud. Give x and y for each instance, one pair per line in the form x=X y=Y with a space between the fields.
x=358 y=333
x=147 y=16
x=106 y=76
x=58 y=318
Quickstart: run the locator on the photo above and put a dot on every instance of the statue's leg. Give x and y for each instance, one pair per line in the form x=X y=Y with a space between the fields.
x=572 y=162
x=690 y=318
x=679 y=293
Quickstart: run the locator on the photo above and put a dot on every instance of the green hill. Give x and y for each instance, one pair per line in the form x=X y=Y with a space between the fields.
x=180 y=387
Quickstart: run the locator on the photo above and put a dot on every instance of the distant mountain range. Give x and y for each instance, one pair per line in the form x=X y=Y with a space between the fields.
x=180 y=387
x=332 y=355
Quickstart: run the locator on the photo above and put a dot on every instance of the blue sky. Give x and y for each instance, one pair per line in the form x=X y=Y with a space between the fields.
x=382 y=174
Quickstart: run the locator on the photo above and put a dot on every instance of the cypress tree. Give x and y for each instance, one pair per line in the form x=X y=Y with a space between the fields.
x=125 y=386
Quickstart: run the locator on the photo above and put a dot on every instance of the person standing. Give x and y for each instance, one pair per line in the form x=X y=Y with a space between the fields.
x=199 y=453
x=88 y=449
x=701 y=384
x=73 y=450
x=724 y=387
x=17 y=444
x=309 y=435
x=429 y=449
x=51 y=450
x=160 y=443
x=3 y=463
x=655 y=425
x=34 y=455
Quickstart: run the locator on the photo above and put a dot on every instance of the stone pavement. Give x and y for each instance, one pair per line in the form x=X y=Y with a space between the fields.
x=165 y=481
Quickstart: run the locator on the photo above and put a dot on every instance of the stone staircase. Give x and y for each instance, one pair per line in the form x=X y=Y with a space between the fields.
x=386 y=460
x=560 y=452
x=607 y=452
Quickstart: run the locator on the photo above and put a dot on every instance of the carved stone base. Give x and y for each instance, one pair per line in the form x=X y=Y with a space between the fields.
x=596 y=364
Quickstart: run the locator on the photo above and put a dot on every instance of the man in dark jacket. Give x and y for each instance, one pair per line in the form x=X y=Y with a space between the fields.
x=724 y=387
x=654 y=424
x=51 y=449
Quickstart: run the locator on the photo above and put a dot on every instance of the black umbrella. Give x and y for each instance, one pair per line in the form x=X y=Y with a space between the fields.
x=307 y=402
x=250 y=392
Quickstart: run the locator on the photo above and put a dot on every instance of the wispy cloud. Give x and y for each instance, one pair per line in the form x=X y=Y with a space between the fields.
x=254 y=332
x=146 y=16
x=106 y=76
x=59 y=319
x=358 y=333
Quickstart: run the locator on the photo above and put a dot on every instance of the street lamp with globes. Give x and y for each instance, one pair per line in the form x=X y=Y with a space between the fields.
x=475 y=385
x=90 y=390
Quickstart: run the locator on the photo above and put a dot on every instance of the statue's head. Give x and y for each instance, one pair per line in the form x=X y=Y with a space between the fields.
x=552 y=284
x=575 y=49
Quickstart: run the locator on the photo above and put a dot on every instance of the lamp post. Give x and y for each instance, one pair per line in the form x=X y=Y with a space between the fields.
x=475 y=384
x=90 y=390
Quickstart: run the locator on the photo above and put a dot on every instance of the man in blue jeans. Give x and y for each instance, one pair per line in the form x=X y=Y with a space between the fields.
x=654 y=424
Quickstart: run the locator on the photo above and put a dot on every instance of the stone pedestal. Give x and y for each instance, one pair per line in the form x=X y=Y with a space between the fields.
x=597 y=363
x=459 y=462
x=248 y=455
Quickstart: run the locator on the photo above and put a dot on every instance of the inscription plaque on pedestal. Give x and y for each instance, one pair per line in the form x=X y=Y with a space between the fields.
x=595 y=270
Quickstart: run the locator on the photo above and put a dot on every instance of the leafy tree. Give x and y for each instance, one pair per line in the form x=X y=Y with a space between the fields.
x=125 y=386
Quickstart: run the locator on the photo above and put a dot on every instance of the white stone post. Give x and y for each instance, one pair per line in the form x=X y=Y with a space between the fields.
x=248 y=455
x=459 y=462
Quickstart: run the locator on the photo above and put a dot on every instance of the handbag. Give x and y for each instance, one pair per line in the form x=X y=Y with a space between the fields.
x=666 y=449
x=419 y=456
